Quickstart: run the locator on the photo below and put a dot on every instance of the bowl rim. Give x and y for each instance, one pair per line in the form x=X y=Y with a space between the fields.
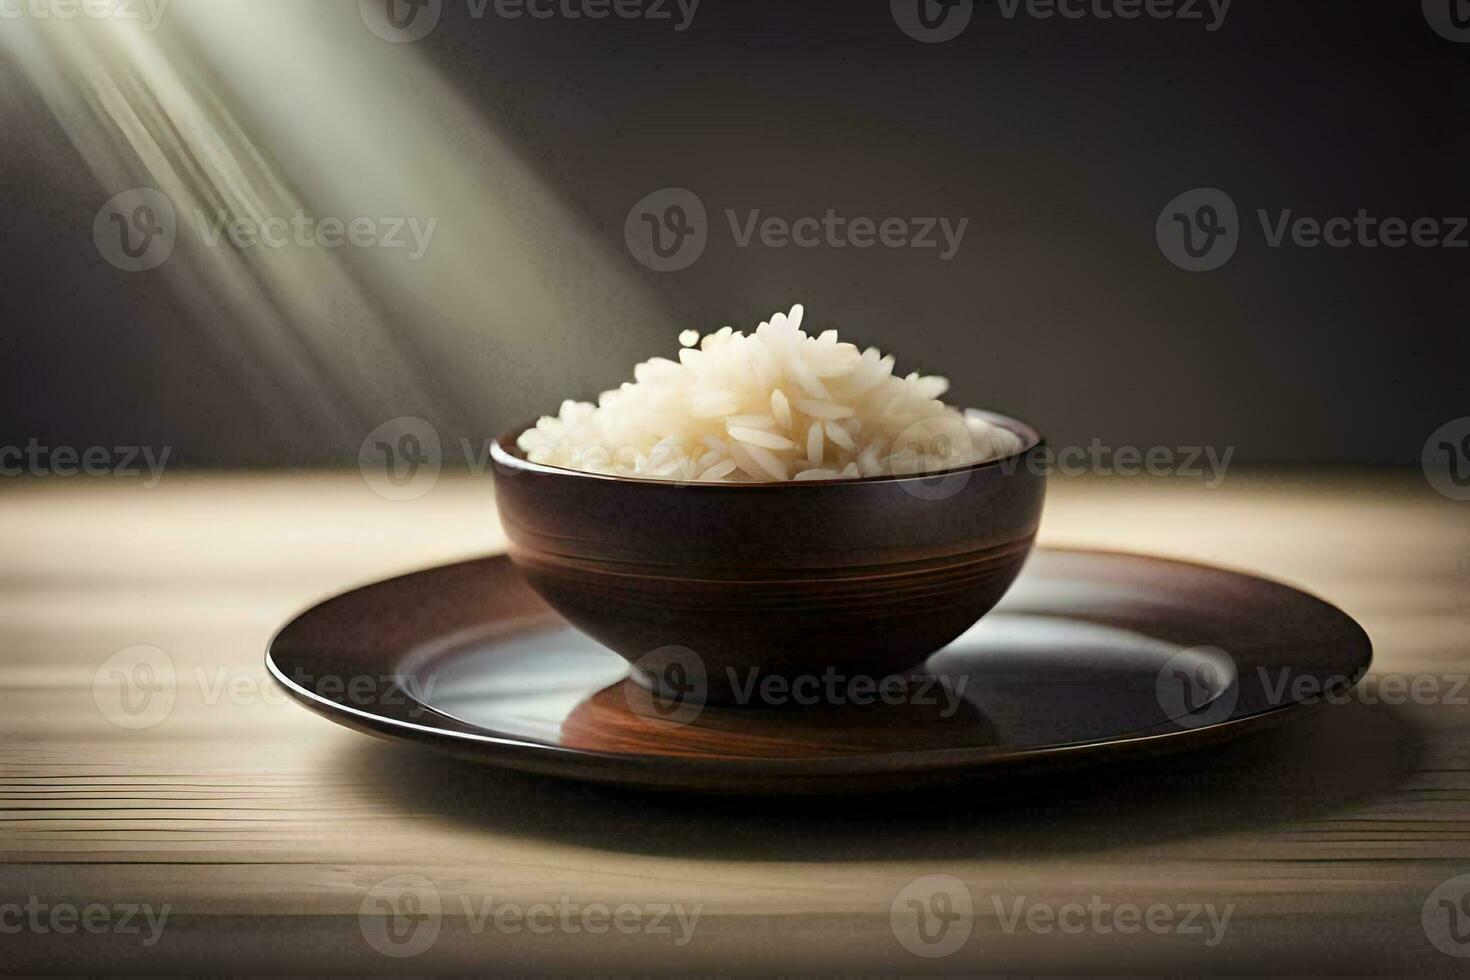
x=504 y=453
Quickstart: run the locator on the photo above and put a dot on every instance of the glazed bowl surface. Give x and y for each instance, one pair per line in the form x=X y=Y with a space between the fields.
x=716 y=588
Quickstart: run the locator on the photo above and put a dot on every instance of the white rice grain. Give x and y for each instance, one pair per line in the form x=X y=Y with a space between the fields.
x=760 y=437
x=840 y=435
x=815 y=448
x=757 y=407
x=823 y=410
x=781 y=408
x=718 y=472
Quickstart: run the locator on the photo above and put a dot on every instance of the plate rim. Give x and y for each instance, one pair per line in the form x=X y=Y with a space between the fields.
x=528 y=754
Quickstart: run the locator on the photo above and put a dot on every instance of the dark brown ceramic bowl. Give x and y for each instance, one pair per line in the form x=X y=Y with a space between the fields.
x=864 y=577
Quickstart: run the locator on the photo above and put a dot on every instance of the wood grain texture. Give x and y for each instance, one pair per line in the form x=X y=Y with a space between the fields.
x=264 y=828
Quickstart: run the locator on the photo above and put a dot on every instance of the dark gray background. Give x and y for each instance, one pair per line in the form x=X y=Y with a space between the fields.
x=1060 y=140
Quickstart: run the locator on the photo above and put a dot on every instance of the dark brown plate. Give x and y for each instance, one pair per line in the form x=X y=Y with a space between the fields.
x=1090 y=655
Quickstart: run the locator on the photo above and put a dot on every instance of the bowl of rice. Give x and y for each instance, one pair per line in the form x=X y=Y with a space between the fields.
x=771 y=503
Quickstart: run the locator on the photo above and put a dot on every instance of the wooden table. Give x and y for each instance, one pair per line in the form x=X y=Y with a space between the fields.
x=264 y=829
